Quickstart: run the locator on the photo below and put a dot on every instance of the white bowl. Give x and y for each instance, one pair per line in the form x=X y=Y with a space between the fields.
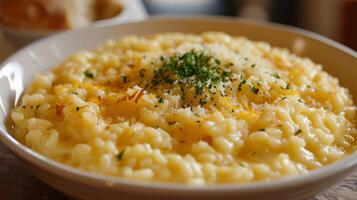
x=17 y=71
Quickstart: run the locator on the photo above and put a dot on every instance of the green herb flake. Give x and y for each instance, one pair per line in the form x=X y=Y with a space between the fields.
x=171 y=123
x=202 y=102
x=287 y=86
x=253 y=65
x=242 y=164
x=298 y=132
x=241 y=84
x=89 y=74
x=120 y=154
x=262 y=129
x=124 y=79
x=276 y=76
x=160 y=100
x=230 y=64
x=254 y=89
x=142 y=73
x=193 y=69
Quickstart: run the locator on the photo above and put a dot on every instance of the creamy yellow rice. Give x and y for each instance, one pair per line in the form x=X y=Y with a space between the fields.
x=282 y=115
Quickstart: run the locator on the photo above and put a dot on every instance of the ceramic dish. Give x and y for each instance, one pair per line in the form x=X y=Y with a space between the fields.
x=17 y=71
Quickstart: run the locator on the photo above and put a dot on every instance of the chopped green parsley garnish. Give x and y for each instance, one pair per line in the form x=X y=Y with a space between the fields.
x=193 y=69
x=254 y=89
x=124 y=79
x=171 y=123
x=242 y=164
x=121 y=154
x=229 y=64
x=142 y=73
x=202 y=102
x=298 y=132
x=160 y=99
x=88 y=74
x=276 y=75
x=287 y=86
x=241 y=84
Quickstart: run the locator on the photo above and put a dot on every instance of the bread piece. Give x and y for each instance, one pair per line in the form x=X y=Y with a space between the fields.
x=47 y=14
x=107 y=8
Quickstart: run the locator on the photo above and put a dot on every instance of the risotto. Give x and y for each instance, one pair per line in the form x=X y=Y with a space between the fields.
x=195 y=109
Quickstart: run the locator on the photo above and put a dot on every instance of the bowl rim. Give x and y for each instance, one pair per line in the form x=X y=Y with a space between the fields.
x=99 y=180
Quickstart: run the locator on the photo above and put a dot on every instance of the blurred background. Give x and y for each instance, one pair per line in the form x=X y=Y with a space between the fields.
x=23 y=21
x=336 y=19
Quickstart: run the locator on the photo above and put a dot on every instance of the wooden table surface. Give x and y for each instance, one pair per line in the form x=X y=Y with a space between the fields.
x=16 y=183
